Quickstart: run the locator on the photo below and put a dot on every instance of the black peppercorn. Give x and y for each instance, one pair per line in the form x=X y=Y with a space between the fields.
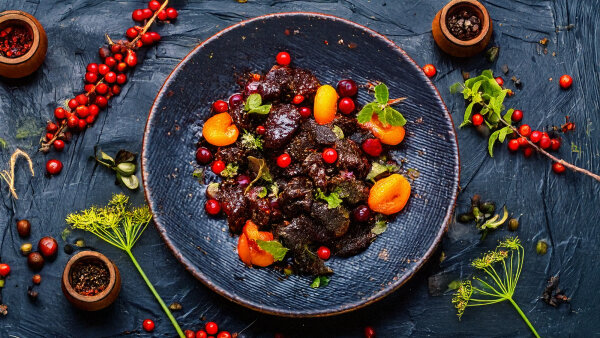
x=68 y=249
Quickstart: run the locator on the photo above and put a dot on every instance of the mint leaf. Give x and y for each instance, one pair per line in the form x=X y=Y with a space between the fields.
x=276 y=249
x=253 y=101
x=491 y=142
x=366 y=113
x=380 y=227
x=262 y=110
x=382 y=93
x=333 y=200
x=394 y=117
x=508 y=116
x=503 y=133
x=467 y=118
x=319 y=282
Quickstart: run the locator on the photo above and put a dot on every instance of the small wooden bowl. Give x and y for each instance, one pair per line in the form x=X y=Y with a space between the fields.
x=32 y=60
x=451 y=44
x=101 y=300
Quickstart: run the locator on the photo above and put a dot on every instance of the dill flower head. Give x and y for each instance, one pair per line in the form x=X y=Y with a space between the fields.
x=462 y=296
x=512 y=243
x=488 y=259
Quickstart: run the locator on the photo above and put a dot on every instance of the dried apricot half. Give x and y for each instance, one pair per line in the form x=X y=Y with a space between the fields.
x=388 y=134
x=389 y=195
x=325 y=106
x=220 y=131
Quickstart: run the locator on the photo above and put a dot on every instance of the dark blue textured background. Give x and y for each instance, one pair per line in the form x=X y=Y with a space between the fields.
x=562 y=210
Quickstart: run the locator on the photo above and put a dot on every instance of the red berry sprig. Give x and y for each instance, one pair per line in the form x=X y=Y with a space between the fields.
x=103 y=81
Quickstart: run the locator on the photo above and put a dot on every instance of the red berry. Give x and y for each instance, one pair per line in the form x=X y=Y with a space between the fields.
x=131 y=58
x=329 y=155
x=51 y=127
x=110 y=61
x=305 y=112
x=211 y=328
x=147 y=13
x=212 y=207
x=517 y=115
x=101 y=101
x=346 y=105
x=527 y=152
x=429 y=70
x=162 y=15
x=477 y=119
x=324 y=253
x=513 y=145
x=138 y=15
x=203 y=155
x=545 y=142
x=49 y=136
x=220 y=106
x=114 y=49
x=555 y=144
x=103 y=69
x=369 y=332
x=115 y=89
x=73 y=103
x=361 y=213
x=283 y=58
x=155 y=36
x=565 y=81
x=121 y=67
x=535 y=136
x=59 y=145
x=260 y=130
x=372 y=146
x=189 y=334
x=110 y=77
x=73 y=121
x=154 y=5
x=298 y=99
x=172 y=13
x=90 y=119
x=60 y=113
x=81 y=99
x=243 y=180
x=121 y=78
x=53 y=167
x=522 y=141
x=217 y=166
x=82 y=124
x=131 y=33
x=500 y=81
x=148 y=325
x=147 y=39
x=284 y=160
x=224 y=334
x=92 y=68
x=347 y=88
x=525 y=130
x=88 y=88
x=4 y=269
x=48 y=247
x=102 y=88
x=82 y=111
x=235 y=100
x=118 y=57
x=93 y=109
x=201 y=334
x=558 y=168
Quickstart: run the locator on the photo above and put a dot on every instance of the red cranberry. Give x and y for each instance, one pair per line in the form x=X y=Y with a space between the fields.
x=361 y=213
x=527 y=152
x=235 y=100
x=212 y=207
x=555 y=144
x=372 y=146
x=220 y=106
x=137 y=15
x=103 y=69
x=513 y=145
x=162 y=15
x=121 y=78
x=346 y=105
x=4 y=270
x=565 y=81
x=115 y=89
x=324 y=253
x=48 y=247
x=59 y=145
x=148 y=325
x=243 y=180
x=82 y=111
x=82 y=124
x=535 y=136
x=110 y=77
x=90 y=119
x=558 y=168
x=477 y=119
x=92 y=68
x=72 y=121
x=211 y=328
x=154 y=5
x=545 y=142
x=525 y=130
x=284 y=160
x=91 y=77
x=93 y=109
x=329 y=155
x=500 y=81
x=102 y=88
x=347 y=88
x=155 y=36
x=172 y=13
x=429 y=70
x=517 y=115
x=131 y=33
x=60 y=113
x=305 y=112
x=224 y=334
x=147 y=39
x=49 y=136
x=147 y=13
x=261 y=130
x=283 y=58
x=217 y=166
x=298 y=99
x=53 y=167
x=73 y=103
x=189 y=334
x=121 y=67
x=51 y=127
x=203 y=155
x=101 y=101
x=81 y=99
x=369 y=332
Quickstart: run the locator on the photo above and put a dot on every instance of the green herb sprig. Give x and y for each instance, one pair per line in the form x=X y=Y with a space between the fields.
x=123 y=164
x=494 y=288
x=275 y=248
x=251 y=141
x=333 y=199
x=382 y=108
x=320 y=281
x=254 y=105
x=120 y=225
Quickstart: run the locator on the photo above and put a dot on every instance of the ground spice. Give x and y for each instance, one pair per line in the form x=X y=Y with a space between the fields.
x=15 y=41
x=464 y=25
x=89 y=278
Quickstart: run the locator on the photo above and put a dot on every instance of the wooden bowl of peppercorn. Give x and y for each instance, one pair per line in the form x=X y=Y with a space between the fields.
x=23 y=44
x=91 y=281
x=462 y=28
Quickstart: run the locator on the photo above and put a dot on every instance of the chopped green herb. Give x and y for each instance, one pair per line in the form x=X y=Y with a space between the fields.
x=230 y=171
x=274 y=248
x=379 y=227
x=319 y=282
x=199 y=174
x=251 y=141
x=333 y=200
x=338 y=132
x=262 y=193
x=259 y=167
x=379 y=168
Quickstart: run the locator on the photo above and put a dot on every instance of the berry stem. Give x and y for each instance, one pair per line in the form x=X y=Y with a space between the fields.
x=554 y=158
x=146 y=26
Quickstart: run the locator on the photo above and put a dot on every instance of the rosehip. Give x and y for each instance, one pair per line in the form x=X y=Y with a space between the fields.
x=162 y=15
x=555 y=144
x=147 y=39
x=429 y=70
x=137 y=15
x=102 y=88
x=131 y=33
x=283 y=58
x=558 y=168
x=372 y=146
x=545 y=142
x=53 y=167
x=477 y=119
x=346 y=105
x=60 y=113
x=517 y=115
x=565 y=81
x=154 y=5
x=513 y=145
x=73 y=103
x=500 y=81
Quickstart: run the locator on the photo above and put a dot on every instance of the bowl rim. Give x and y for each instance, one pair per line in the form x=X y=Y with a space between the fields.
x=347 y=307
x=468 y=3
x=24 y=19
x=89 y=255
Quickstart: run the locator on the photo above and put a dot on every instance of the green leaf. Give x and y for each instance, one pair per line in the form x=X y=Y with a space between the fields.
x=262 y=110
x=466 y=93
x=455 y=87
x=230 y=171
x=508 y=116
x=131 y=182
x=259 y=167
x=319 y=282
x=378 y=169
x=125 y=168
x=467 y=117
x=262 y=193
x=366 y=113
x=394 y=117
x=491 y=142
x=253 y=101
x=251 y=141
x=470 y=82
x=489 y=74
x=333 y=200
x=382 y=94
x=338 y=132
x=379 y=227
x=503 y=133
x=105 y=159
x=276 y=249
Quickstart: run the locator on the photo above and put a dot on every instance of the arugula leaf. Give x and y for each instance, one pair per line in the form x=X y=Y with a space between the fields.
x=319 y=282
x=333 y=200
x=378 y=169
x=230 y=171
x=365 y=114
x=253 y=101
x=382 y=93
x=262 y=110
x=276 y=249
x=379 y=227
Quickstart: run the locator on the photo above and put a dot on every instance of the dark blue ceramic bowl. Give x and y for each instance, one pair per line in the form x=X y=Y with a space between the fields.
x=333 y=49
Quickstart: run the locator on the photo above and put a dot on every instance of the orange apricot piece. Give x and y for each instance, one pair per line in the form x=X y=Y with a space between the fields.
x=325 y=106
x=258 y=256
x=244 y=250
x=388 y=134
x=220 y=131
x=389 y=195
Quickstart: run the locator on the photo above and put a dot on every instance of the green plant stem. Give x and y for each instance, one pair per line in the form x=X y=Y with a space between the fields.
x=524 y=317
x=160 y=301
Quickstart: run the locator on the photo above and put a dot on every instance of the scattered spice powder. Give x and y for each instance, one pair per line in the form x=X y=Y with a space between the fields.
x=15 y=41
x=464 y=25
x=89 y=278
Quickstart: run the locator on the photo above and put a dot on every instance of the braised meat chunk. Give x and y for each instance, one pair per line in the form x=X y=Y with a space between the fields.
x=281 y=124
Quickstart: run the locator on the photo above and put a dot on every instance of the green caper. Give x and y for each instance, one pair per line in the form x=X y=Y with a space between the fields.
x=488 y=207
x=513 y=224
x=466 y=217
x=541 y=247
